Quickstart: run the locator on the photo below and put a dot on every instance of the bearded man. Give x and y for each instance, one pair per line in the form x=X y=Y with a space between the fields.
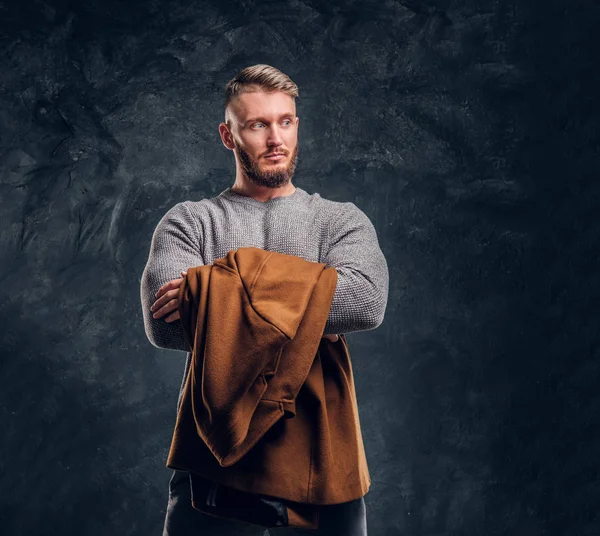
x=263 y=209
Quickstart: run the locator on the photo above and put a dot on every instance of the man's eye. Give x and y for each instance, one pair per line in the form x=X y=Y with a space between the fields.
x=257 y=125
x=287 y=122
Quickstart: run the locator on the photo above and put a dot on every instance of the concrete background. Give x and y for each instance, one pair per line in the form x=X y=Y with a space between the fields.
x=469 y=134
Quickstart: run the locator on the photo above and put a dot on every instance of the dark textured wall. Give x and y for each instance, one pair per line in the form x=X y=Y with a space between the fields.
x=467 y=131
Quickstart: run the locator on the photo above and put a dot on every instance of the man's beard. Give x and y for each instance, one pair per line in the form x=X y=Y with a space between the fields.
x=270 y=178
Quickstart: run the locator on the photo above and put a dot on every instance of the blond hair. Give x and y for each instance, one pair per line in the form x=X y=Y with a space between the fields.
x=259 y=77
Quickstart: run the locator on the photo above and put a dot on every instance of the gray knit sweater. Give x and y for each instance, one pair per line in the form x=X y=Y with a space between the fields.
x=336 y=233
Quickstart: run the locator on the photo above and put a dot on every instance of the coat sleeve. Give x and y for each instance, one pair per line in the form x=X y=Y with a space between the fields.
x=361 y=293
x=175 y=246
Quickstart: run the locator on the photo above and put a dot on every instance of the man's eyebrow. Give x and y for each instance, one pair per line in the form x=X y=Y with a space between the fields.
x=263 y=120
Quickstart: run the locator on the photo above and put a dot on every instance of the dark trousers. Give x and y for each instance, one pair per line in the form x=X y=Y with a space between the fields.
x=346 y=519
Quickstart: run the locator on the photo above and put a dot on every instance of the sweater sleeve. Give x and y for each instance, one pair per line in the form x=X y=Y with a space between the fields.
x=175 y=246
x=361 y=293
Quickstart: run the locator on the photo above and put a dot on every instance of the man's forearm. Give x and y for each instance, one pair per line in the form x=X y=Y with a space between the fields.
x=357 y=305
x=162 y=334
x=361 y=293
x=174 y=248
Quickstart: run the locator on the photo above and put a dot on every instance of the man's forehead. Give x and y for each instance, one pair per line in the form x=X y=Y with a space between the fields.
x=252 y=103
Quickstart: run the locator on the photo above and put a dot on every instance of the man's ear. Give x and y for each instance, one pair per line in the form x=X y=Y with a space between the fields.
x=226 y=136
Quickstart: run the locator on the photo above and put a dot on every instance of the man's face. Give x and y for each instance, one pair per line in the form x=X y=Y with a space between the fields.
x=264 y=124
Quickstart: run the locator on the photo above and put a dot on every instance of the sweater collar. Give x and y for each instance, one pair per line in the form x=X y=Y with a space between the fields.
x=234 y=196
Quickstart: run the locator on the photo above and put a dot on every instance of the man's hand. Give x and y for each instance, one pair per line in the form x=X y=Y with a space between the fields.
x=167 y=300
x=167 y=303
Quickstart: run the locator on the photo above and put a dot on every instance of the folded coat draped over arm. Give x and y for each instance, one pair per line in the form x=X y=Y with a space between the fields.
x=239 y=315
x=264 y=388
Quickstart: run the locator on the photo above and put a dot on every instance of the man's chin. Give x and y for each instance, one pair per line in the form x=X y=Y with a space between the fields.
x=275 y=167
x=270 y=181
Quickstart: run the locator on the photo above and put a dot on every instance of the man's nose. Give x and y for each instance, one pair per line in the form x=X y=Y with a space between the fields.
x=274 y=138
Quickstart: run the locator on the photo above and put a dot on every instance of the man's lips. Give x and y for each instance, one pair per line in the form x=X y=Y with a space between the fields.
x=274 y=156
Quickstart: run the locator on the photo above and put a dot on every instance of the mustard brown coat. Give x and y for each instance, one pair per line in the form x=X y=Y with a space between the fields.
x=269 y=406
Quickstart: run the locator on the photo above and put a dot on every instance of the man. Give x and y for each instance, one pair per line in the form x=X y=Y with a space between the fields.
x=263 y=209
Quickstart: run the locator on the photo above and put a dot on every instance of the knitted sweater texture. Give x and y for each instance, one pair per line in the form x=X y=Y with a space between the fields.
x=339 y=234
